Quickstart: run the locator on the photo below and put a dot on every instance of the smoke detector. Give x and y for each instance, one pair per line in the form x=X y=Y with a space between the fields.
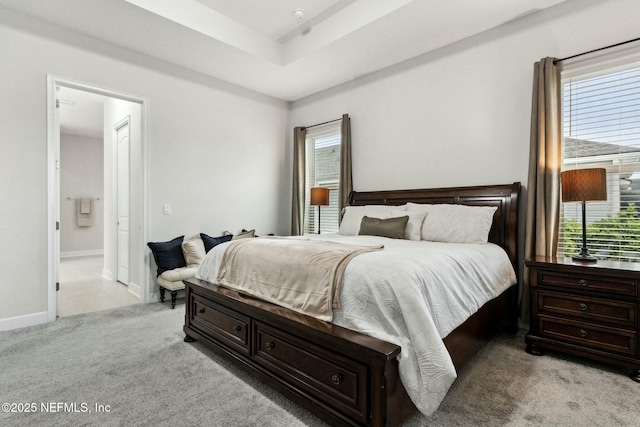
x=298 y=14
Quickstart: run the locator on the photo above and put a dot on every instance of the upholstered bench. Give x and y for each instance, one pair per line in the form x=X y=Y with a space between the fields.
x=178 y=260
x=172 y=280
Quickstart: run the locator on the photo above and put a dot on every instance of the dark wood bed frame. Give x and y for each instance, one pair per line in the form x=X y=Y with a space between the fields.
x=342 y=376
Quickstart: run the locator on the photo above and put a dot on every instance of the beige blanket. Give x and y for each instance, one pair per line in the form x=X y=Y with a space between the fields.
x=303 y=275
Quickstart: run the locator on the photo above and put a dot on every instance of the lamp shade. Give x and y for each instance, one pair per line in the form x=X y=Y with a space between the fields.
x=584 y=185
x=319 y=196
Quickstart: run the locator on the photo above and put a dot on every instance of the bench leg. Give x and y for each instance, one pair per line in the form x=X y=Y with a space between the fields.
x=174 y=294
x=162 y=294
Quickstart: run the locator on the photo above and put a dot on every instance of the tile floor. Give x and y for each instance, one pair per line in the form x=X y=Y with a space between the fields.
x=83 y=290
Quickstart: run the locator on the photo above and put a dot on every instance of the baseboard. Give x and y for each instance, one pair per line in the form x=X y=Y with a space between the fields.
x=92 y=252
x=24 y=321
x=107 y=274
x=135 y=289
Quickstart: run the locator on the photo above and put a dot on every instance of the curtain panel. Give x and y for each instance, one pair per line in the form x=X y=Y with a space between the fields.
x=299 y=167
x=299 y=173
x=545 y=162
x=346 y=178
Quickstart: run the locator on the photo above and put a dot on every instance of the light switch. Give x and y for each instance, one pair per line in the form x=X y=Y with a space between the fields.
x=166 y=209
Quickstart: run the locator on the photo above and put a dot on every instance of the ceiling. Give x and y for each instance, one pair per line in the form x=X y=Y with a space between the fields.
x=81 y=113
x=262 y=46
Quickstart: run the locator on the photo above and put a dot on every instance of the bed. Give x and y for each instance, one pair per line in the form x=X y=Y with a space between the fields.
x=344 y=376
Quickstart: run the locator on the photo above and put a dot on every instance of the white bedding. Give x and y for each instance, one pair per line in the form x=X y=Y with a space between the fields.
x=413 y=294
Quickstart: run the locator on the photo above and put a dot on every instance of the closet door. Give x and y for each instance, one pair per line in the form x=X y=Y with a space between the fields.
x=123 y=173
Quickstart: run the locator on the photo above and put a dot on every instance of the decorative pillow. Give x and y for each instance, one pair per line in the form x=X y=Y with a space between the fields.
x=210 y=242
x=455 y=223
x=414 y=225
x=388 y=227
x=193 y=251
x=245 y=234
x=168 y=255
x=350 y=225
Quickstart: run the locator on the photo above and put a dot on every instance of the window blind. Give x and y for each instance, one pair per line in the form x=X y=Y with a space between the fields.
x=601 y=128
x=322 y=170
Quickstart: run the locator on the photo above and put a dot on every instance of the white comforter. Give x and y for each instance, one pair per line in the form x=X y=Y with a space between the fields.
x=413 y=294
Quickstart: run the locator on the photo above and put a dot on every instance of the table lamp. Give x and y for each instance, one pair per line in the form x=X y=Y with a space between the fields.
x=584 y=185
x=319 y=197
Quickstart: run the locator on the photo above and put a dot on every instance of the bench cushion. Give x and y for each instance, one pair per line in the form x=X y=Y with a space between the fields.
x=178 y=274
x=172 y=279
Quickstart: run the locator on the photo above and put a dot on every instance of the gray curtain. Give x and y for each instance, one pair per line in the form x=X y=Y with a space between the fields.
x=545 y=163
x=297 y=204
x=346 y=179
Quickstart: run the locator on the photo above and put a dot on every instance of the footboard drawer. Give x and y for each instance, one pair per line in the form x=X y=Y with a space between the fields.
x=336 y=380
x=345 y=377
x=225 y=324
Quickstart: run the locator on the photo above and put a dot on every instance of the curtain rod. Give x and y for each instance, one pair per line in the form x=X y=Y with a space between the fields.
x=320 y=124
x=596 y=50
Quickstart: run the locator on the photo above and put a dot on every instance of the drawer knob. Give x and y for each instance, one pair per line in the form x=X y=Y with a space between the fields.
x=583 y=306
x=270 y=345
x=583 y=282
x=201 y=311
x=337 y=379
x=237 y=328
x=583 y=333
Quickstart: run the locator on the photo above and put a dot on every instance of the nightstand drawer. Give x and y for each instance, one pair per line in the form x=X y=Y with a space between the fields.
x=588 y=283
x=588 y=335
x=596 y=310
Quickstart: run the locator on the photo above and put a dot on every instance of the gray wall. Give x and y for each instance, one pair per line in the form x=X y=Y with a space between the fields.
x=216 y=152
x=461 y=115
x=81 y=175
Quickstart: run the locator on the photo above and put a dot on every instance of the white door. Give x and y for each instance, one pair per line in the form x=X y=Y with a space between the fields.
x=122 y=138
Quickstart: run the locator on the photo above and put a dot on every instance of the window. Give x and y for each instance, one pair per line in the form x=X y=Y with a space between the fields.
x=322 y=170
x=601 y=128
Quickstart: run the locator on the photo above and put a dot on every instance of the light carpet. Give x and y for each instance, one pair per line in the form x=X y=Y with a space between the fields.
x=134 y=361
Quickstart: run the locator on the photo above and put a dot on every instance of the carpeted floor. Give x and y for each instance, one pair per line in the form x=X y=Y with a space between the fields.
x=133 y=362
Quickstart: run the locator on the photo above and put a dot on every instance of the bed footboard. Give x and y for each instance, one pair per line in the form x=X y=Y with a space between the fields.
x=344 y=377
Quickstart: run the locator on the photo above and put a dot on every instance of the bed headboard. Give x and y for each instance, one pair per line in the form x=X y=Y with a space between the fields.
x=504 y=230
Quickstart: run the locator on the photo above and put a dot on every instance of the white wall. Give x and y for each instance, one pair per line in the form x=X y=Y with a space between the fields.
x=215 y=152
x=461 y=115
x=81 y=175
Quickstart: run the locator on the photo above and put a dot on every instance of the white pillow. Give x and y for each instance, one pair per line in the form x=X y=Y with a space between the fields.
x=193 y=251
x=414 y=225
x=350 y=225
x=455 y=223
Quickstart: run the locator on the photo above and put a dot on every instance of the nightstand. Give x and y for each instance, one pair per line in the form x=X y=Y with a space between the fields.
x=588 y=310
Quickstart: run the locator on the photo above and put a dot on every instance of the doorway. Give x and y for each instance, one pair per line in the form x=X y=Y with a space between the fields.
x=94 y=258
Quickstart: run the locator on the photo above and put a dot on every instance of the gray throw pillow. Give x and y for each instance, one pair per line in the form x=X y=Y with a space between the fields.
x=389 y=227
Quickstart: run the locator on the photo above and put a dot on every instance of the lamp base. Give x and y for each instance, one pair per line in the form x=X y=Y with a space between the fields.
x=584 y=257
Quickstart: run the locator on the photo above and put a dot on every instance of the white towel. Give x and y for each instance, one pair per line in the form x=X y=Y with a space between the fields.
x=85 y=205
x=84 y=219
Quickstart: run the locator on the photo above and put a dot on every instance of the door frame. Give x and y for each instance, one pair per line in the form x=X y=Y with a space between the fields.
x=53 y=196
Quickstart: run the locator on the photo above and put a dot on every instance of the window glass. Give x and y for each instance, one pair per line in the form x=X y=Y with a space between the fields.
x=322 y=170
x=601 y=128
